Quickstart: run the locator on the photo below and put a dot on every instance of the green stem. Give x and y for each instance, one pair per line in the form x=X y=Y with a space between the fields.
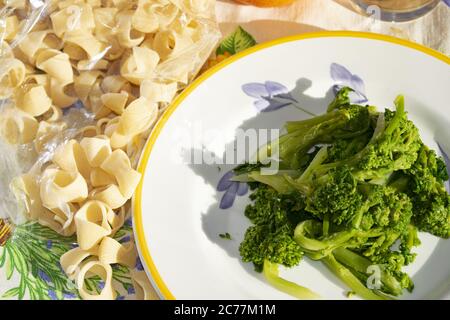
x=279 y=183
x=271 y=273
x=361 y=264
x=306 y=230
x=292 y=126
x=320 y=157
x=350 y=279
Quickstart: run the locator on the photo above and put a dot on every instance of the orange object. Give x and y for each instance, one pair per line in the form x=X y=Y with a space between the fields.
x=266 y=3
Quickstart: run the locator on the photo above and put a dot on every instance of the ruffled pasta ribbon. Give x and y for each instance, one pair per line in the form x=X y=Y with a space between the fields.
x=72 y=18
x=33 y=99
x=139 y=116
x=127 y=36
x=101 y=166
x=29 y=187
x=12 y=75
x=123 y=60
x=50 y=89
x=140 y=65
x=118 y=166
x=9 y=28
x=142 y=286
x=96 y=268
x=94 y=221
x=77 y=262
x=18 y=127
x=36 y=41
x=61 y=191
x=56 y=64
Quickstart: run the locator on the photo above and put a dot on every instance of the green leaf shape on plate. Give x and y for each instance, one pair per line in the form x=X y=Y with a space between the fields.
x=237 y=41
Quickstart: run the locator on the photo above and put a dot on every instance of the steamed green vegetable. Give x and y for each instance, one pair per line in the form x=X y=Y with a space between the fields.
x=355 y=187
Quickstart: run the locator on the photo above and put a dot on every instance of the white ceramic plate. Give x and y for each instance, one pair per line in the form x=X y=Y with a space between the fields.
x=176 y=209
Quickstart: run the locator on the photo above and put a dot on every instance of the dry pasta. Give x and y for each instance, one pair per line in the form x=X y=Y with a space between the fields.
x=71 y=260
x=18 y=127
x=144 y=290
x=111 y=251
x=33 y=99
x=119 y=59
x=92 y=224
x=12 y=74
x=104 y=271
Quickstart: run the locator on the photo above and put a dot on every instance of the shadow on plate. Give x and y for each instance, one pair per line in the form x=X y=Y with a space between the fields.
x=216 y=221
x=432 y=267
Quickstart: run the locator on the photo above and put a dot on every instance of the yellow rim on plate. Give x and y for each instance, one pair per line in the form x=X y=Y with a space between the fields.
x=137 y=200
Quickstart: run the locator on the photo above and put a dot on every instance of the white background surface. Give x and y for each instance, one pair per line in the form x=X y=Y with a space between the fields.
x=432 y=30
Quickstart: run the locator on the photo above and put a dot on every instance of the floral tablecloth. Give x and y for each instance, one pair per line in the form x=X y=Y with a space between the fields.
x=30 y=268
x=29 y=260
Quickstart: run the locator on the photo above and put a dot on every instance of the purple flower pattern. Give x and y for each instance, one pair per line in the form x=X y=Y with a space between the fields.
x=125 y=239
x=270 y=95
x=52 y=294
x=231 y=188
x=68 y=295
x=131 y=290
x=139 y=264
x=44 y=276
x=344 y=78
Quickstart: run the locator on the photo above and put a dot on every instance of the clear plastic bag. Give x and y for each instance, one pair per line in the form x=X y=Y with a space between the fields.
x=77 y=69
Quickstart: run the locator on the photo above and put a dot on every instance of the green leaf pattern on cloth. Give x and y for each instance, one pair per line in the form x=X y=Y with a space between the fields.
x=237 y=41
x=30 y=260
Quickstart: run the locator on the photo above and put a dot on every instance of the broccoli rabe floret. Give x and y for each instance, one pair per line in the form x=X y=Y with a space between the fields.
x=409 y=240
x=345 y=148
x=391 y=263
x=271 y=237
x=433 y=215
x=336 y=195
x=427 y=173
x=393 y=212
x=341 y=100
x=393 y=147
x=345 y=122
x=261 y=243
x=354 y=188
x=426 y=188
